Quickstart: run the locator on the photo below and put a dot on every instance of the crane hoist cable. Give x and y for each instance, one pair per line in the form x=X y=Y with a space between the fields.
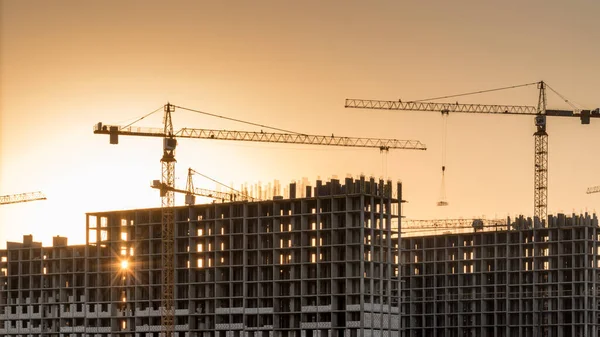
x=442 y=201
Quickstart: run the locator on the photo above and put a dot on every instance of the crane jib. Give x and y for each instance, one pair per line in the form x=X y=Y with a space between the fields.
x=584 y=115
x=380 y=143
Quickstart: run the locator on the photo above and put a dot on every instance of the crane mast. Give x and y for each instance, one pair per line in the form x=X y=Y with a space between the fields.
x=540 y=186
x=168 y=224
x=541 y=136
x=168 y=190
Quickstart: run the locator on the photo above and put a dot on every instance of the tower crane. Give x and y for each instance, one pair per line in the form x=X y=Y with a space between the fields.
x=411 y=226
x=168 y=171
x=229 y=196
x=594 y=189
x=21 y=197
x=191 y=192
x=541 y=136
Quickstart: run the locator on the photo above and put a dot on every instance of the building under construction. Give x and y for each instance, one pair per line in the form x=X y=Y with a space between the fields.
x=519 y=280
x=322 y=265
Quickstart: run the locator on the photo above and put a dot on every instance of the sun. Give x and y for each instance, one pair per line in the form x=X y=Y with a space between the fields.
x=124 y=264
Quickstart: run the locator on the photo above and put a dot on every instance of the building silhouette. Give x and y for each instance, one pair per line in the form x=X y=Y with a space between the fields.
x=322 y=265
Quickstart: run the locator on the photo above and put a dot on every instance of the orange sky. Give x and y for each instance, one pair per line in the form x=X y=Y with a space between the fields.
x=66 y=65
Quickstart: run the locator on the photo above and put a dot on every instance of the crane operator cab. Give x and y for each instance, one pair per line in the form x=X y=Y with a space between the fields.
x=540 y=122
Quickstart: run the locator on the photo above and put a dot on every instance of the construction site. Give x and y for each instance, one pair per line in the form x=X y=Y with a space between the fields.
x=329 y=259
x=328 y=264
x=321 y=265
x=504 y=280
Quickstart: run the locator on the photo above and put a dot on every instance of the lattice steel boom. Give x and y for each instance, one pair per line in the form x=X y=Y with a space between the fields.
x=412 y=225
x=541 y=137
x=263 y=137
x=594 y=189
x=21 y=197
x=451 y=223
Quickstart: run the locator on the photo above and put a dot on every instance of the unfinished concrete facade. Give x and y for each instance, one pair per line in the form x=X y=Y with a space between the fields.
x=319 y=266
x=42 y=288
x=520 y=281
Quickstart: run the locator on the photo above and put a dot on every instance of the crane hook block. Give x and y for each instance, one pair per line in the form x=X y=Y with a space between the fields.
x=443 y=168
